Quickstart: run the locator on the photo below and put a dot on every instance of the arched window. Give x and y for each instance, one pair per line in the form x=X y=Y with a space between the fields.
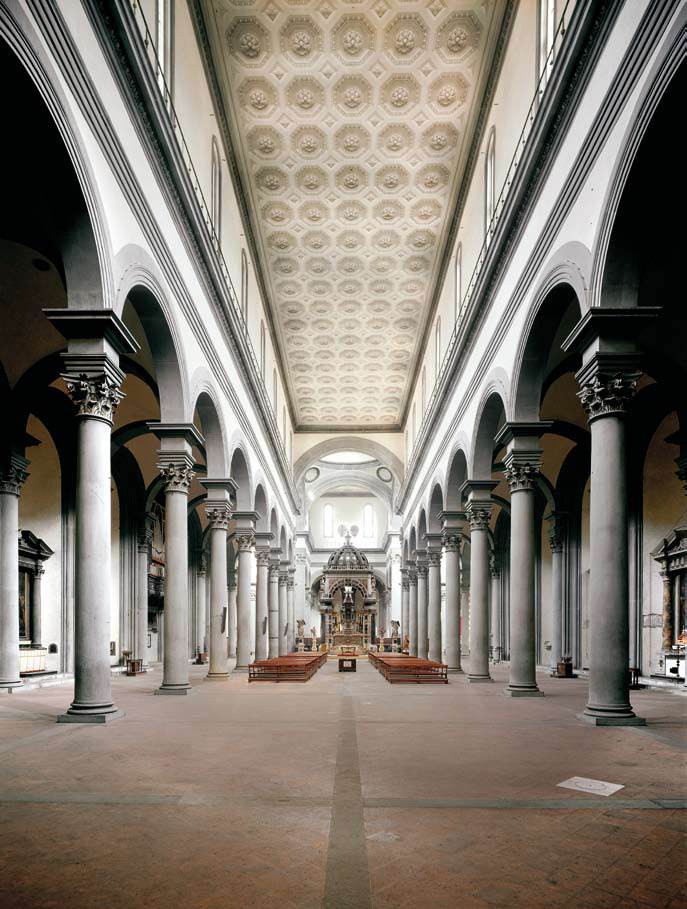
x=263 y=350
x=328 y=521
x=424 y=389
x=163 y=46
x=283 y=424
x=368 y=521
x=244 y=285
x=437 y=348
x=216 y=189
x=459 y=280
x=275 y=390
x=547 y=31
x=489 y=186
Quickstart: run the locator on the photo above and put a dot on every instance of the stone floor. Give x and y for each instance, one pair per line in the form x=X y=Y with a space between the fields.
x=343 y=792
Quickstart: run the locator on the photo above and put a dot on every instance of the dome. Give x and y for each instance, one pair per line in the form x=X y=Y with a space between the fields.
x=348 y=557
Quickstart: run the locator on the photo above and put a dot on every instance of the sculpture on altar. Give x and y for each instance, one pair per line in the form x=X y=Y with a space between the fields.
x=395 y=629
x=300 y=628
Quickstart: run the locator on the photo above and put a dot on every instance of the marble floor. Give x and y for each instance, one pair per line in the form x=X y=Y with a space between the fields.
x=342 y=792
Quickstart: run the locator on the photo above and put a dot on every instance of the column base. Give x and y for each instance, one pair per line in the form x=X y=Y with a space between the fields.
x=479 y=678
x=515 y=692
x=10 y=686
x=455 y=669
x=93 y=718
x=217 y=676
x=174 y=689
x=241 y=668
x=610 y=718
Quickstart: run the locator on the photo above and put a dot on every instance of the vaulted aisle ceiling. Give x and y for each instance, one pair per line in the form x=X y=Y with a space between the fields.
x=351 y=123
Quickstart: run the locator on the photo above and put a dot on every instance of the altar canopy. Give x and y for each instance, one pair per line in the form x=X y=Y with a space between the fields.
x=348 y=599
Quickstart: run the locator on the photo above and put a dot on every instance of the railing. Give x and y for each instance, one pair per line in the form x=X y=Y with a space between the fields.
x=543 y=81
x=212 y=235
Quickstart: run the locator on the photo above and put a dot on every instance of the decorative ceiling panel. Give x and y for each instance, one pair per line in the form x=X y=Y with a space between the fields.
x=351 y=122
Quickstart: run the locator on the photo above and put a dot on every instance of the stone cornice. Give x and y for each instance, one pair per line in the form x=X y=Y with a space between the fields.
x=77 y=77
x=587 y=33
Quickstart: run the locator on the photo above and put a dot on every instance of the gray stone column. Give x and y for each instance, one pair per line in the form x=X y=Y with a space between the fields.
x=522 y=462
x=11 y=481
x=218 y=515
x=495 y=609
x=422 y=641
x=412 y=608
x=556 y=542
x=176 y=469
x=290 y=612
x=37 y=594
x=478 y=513
x=273 y=605
x=283 y=611
x=434 y=602
x=93 y=378
x=606 y=389
x=452 y=546
x=245 y=539
x=405 y=591
x=202 y=643
x=262 y=558
x=145 y=536
x=177 y=478
x=96 y=399
x=233 y=616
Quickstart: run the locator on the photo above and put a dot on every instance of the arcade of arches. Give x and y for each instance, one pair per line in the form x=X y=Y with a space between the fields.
x=343 y=327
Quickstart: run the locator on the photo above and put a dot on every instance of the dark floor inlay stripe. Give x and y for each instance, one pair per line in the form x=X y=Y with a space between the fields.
x=347 y=876
x=569 y=804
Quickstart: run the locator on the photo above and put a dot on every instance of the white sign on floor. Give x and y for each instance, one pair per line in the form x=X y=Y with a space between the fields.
x=595 y=787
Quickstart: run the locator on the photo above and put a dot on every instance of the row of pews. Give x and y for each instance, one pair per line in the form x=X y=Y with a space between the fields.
x=399 y=667
x=296 y=667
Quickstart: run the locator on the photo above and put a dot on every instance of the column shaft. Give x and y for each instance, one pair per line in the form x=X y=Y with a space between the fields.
x=201 y=609
x=434 y=606
x=523 y=679
x=452 y=556
x=412 y=610
x=422 y=642
x=243 y=608
x=142 y=556
x=233 y=617
x=273 y=606
x=261 y=605
x=291 y=638
x=495 y=607
x=405 y=595
x=175 y=654
x=10 y=486
x=283 y=616
x=218 y=668
x=609 y=632
x=556 y=607
x=479 y=592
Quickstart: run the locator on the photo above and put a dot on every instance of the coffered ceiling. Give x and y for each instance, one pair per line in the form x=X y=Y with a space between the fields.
x=350 y=124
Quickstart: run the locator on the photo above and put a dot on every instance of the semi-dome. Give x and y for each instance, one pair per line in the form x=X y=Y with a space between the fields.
x=347 y=556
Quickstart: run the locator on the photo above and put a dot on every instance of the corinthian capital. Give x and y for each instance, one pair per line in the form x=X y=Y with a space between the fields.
x=13 y=476
x=433 y=558
x=522 y=475
x=245 y=540
x=608 y=394
x=478 y=515
x=176 y=476
x=452 y=541
x=94 y=396
x=421 y=569
x=218 y=516
x=262 y=557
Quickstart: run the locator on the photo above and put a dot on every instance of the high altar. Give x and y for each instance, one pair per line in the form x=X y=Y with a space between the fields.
x=348 y=599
